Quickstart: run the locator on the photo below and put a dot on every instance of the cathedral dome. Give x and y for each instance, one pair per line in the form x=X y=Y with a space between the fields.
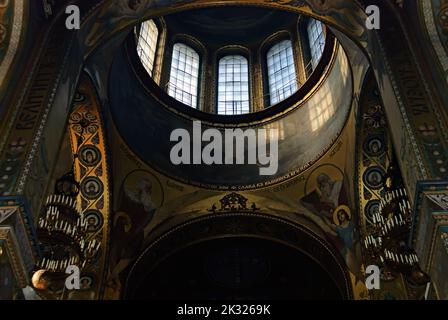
x=233 y=60
x=291 y=76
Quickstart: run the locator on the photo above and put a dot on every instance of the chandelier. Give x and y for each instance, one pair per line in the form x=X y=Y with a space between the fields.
x=62 y=229
x=386 y=239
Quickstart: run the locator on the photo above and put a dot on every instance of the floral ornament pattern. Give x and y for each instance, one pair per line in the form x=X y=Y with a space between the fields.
x=84 y=122
x=374 y=117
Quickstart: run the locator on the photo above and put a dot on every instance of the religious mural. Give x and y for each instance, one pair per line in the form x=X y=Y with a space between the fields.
x=141 y=194
x=139 y=197
x=326 y=196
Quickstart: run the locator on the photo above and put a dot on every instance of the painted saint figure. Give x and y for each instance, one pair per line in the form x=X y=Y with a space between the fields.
x=326 y=198
x=345 y=229
x=141 y=196
x=329 y=190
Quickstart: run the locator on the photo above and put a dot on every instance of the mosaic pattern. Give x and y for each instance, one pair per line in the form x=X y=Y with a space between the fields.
x=373 y=177
x=91 y=170
x=374 y=155
x=371 y=209
x=94 y=220
x=87 y=282
x=374 y=146
x=89 y=155
x=92 y=188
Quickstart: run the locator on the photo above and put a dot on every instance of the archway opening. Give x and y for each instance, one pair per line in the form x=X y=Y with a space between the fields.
x=237 y=268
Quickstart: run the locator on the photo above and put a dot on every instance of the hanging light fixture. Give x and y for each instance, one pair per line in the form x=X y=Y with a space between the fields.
x=62 y=229
x=385 y=242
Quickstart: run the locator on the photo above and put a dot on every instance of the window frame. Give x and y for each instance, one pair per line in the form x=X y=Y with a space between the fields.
x=308 y=41
x=137 y=31
x=227 y=53
x=266 y=78
x=199 y=71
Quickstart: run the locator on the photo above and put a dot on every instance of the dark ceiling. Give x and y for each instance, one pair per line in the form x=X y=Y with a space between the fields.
x=230 y=24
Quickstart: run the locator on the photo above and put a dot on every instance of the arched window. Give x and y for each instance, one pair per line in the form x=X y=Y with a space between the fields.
x=147 y=44
x=233 y=85
x=281 y=71
x=184 y=75
x=316 y=38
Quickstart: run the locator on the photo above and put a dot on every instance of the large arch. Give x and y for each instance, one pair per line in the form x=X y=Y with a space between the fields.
x=243 y=226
